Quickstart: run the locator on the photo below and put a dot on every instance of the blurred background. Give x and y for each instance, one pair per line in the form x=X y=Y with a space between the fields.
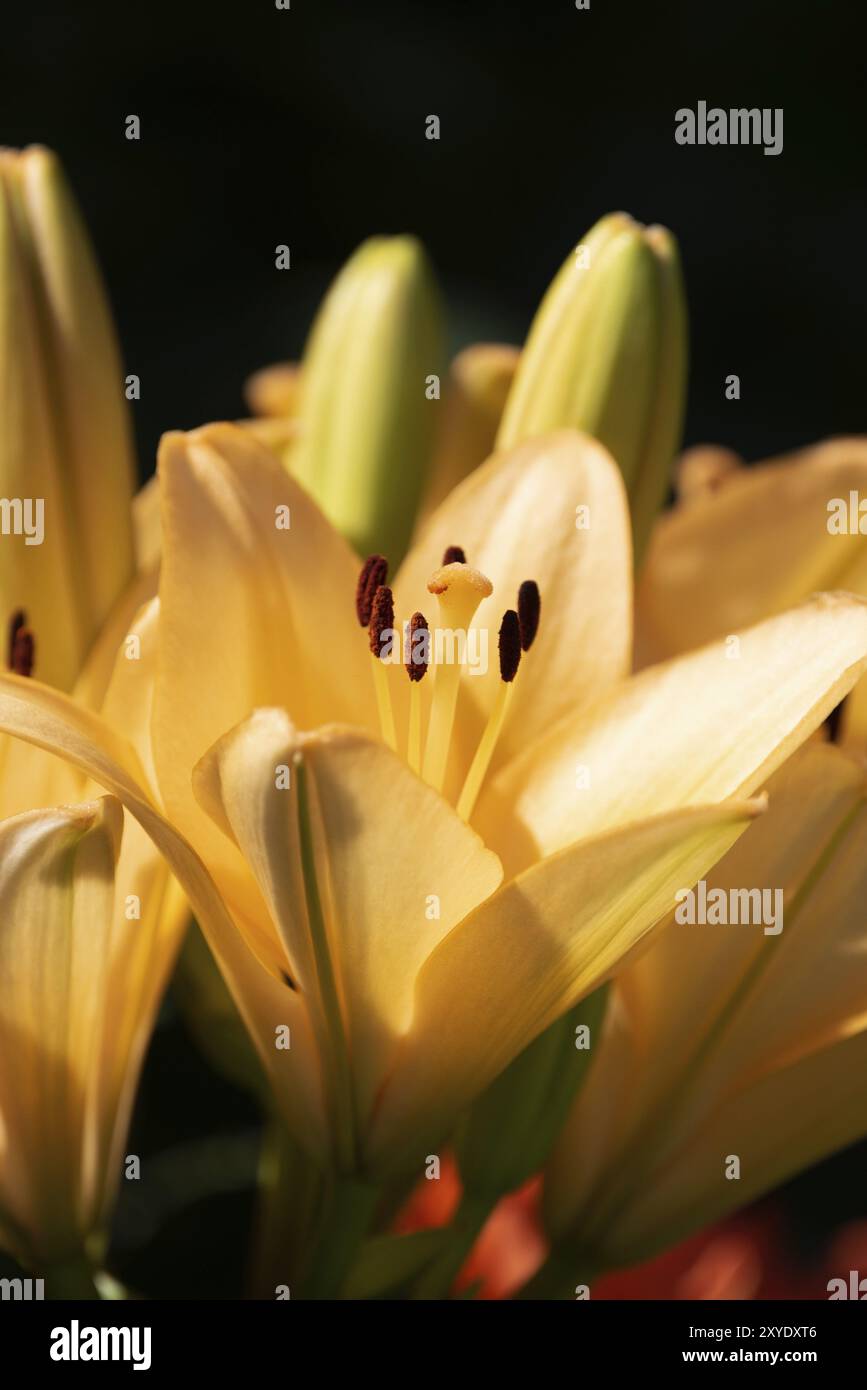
x=306 y=127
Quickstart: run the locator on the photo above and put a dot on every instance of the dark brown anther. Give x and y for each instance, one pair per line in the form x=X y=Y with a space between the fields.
x=529 y=608
x=287 y=980
x=23 y=653
x=381 y=620
x=454 y=555
x=417 y=649
x=374 y=572
x=16 y=623
x=510 y=645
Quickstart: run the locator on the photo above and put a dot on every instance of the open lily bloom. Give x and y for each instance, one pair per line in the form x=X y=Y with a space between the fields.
x=85 y=949
x=389 y=955
x=746 y=543
x=727 y=1041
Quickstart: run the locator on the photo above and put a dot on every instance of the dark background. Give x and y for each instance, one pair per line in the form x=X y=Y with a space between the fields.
x=306 y=127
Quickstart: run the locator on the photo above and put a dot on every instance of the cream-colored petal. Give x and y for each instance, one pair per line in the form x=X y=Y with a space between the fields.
x=50 y=720
x=56 y=905
x=274 y=391
x=779 y=1125
x=30 y=778
x=150 y=916
x=146 y=525
x=396 y=868
x=249 y=614
x=713 y=724
x=749 y=549
x=531 y=951
x=715 y=1015
x=516 y=518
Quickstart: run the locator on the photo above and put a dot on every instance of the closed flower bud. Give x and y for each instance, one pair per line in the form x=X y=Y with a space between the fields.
x=66 y=461
x=607 y=354
x=369 y=395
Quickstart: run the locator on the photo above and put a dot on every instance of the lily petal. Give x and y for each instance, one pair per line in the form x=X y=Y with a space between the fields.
x=717 y=1029
x=710 y=725
x=396 y=866
x=532 y=951
x=517 y=518
x=50 y=720
x=57 y=896
x=247 y=617
x=752 y=548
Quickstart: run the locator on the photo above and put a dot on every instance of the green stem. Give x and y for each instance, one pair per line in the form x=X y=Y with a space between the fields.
x=436 y=1280
x=289 y=1197
x=348 y=1213
x=71 y=1280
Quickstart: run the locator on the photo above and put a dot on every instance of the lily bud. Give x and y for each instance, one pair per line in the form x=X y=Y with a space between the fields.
x=368 y=407
x=66 y=460
x=606 y=354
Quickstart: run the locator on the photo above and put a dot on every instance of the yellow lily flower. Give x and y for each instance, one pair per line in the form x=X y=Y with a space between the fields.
x=751 y=544
x=744 y=543
x=727 y=1043
x=389 y=957
x=110 y=934
x=66 y=463
x=84 y=955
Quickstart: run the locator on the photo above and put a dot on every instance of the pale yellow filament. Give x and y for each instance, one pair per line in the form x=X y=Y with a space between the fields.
x=485 y=751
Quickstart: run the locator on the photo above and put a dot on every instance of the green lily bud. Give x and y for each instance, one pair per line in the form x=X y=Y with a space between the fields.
x=368 y=408
x=607 y=353
x=511 y=1128
x=66 y=459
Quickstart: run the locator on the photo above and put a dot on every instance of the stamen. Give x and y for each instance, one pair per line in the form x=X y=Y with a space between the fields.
x=459 y=589
x=529 y=610
x=417 y=649
x=416 y=659
x=454 y=555
x=381 y=633
x=510 y=645
x=374 y=572
x=21 y=649
x=16 y=622
x=510 y=660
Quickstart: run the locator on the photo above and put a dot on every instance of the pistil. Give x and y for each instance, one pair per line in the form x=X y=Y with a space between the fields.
x=459 y=590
